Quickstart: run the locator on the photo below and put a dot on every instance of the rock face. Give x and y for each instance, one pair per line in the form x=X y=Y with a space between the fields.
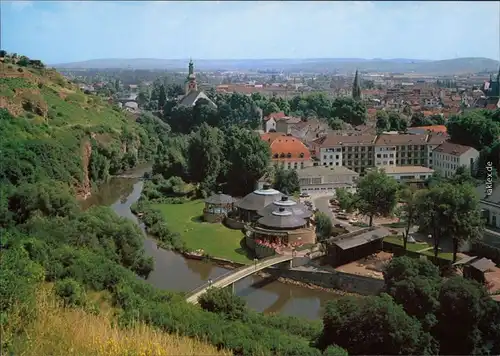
x=84 y=190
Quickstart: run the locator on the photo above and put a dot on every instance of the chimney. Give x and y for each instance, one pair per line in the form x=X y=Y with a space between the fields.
x=284 y=198
x=266 y=186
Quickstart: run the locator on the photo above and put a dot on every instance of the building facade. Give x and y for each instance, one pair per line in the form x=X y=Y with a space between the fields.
x=409 y=174
x=447 y=157
x=324 y=180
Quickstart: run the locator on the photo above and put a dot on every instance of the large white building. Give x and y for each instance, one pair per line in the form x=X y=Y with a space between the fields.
x=323 y=180
x=409 y=174
x=447 y=157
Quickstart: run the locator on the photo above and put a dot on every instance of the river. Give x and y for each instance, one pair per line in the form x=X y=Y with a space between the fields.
x=174 y=272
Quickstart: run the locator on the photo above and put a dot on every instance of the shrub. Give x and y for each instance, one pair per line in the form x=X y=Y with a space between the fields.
x=70 y=291
x=224 y=302
x=335 y=350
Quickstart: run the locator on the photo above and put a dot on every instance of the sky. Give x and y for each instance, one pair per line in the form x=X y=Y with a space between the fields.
x=66 y=31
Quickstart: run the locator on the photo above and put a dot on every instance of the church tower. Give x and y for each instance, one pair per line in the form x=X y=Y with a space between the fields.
x=191 y=84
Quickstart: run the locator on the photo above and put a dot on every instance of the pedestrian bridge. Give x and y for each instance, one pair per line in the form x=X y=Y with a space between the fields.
x=235 y=275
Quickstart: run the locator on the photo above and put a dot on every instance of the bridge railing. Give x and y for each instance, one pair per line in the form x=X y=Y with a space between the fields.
x=234 y=271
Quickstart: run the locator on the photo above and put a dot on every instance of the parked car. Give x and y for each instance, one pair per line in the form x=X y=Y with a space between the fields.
x=342 y=216
x=304 y=195
x=353 y=221
x=338 y=226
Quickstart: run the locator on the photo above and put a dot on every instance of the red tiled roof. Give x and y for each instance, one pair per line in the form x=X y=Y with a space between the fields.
x=434 y=128
x=289 y=148
x=452 y=148
x=271 y=136
x=275 y=115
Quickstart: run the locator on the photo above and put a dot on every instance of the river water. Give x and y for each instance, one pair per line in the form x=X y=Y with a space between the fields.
x=174 y=272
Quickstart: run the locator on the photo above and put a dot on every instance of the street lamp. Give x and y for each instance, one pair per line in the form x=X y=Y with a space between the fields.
x=255 y=263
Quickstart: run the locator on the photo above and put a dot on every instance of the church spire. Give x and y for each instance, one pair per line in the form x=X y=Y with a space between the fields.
x=356 y=88
x=191 y=78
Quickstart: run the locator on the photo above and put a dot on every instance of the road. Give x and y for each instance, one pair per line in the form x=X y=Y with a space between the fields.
x=322 y=204
x=492 y=237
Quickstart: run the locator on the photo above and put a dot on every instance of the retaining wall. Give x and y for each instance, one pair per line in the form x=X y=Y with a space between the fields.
x=233 y=223
x=338 y=280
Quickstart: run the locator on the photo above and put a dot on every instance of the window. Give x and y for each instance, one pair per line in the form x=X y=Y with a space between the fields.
x=289 y=155
x=379 y=155
x=301 y=155
x=282 y=155
x=275 y=155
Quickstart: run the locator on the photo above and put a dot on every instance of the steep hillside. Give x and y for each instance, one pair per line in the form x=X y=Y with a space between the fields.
x=60 y=329
x=51 y=129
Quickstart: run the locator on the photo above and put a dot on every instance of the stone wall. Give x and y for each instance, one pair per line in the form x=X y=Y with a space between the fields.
x=338 y=280
x=212 y=218
x=233 y=223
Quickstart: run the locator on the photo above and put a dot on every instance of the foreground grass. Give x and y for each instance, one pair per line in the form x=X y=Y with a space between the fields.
x=215 y=239
x=60 y=331
x=397 y=240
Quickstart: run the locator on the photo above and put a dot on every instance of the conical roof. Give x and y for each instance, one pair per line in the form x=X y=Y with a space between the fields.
x=281 y=218
x=220 y=199
x=297 y=209
x=259 y=198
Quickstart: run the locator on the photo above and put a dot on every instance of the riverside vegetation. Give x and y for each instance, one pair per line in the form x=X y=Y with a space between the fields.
x=48 y=243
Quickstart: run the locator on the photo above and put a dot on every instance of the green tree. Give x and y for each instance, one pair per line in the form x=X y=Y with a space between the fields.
x=448 y=210
x=324 y=226
x=223 y=301
x=270 y=108
x=356 y=87
x=382 y=121
x=346 y=199
x=397 y=122
x=409 y=196
x=473 y=129
x=414 y=284
x=465 y=319
x=349 y=110
x=205 y=156
x=373 y=325
x=418 y=119
x=247 y=159
x=376 y=194
x=336 y=124
x=162 y=97
x=286 y=180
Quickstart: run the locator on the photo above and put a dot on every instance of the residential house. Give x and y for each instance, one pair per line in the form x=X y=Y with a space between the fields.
x=285 y=124
x=354 y=152
x=325 y=180
x=269 y=122
x=448 y=156
x=287 y=151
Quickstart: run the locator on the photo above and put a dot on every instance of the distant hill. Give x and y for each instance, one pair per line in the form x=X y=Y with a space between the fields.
x=442 y=67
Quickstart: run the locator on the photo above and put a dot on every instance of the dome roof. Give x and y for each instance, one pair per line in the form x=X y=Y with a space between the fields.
x=259 y=198
x=282 y=218
x=297 y=209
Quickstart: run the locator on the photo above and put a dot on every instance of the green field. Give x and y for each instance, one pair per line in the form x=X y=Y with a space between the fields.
x=397 y=240
x=215 y=239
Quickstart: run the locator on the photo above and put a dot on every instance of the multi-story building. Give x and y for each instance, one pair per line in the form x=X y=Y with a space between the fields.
x=288 y=151
x=433 y=141
x=354 y=152
x=401 y=150
x=447 y=157
x=285 y=124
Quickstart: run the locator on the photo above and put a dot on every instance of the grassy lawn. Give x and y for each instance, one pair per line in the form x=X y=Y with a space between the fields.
x=396 y=240
x=215 y=239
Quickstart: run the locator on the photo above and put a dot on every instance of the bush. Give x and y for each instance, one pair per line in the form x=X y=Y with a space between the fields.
x=224 y=302
x=70 y=291
x=335 y=350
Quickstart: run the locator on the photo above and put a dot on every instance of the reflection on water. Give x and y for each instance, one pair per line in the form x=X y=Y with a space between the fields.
x=174 y=272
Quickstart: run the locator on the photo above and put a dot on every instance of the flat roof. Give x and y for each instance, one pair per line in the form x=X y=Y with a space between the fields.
x=361 y=239
x=407 y=169
x=316 y=171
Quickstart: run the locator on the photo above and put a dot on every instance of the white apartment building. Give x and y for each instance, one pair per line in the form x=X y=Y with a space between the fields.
x=447 y=157
x=354 y=152
x=432 y=143
x=400 y=150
